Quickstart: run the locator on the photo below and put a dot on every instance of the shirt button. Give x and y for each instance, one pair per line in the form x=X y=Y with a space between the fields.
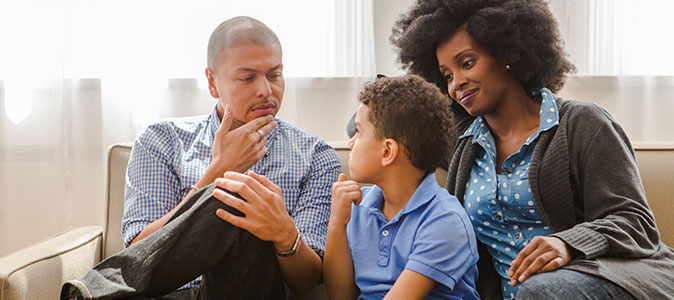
x=518 y=235
x=384 y=233
x=507 y=171
x=498 y=216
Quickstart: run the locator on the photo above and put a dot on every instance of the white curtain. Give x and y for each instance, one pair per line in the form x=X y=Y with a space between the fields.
x=623 y=52
x=618 y=37
x=79 y=75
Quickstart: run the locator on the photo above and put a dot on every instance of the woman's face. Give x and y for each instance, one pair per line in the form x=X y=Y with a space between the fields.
x=475 y=79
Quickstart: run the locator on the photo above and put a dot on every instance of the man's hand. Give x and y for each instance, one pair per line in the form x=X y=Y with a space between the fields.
x=239 y=149
x=344 y=192
x=265 y=212
x=542 y=254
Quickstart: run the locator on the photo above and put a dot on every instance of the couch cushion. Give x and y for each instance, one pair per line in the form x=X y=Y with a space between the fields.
x=118 y=158
x=656 y=167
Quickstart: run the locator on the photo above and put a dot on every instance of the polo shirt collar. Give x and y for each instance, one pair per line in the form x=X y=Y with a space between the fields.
x=424 y=193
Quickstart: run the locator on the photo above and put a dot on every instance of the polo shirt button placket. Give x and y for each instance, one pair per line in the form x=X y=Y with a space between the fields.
x=384 y=241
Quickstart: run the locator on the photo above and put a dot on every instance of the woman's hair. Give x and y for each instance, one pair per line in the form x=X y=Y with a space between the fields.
x=523 y=33
x=415 y=114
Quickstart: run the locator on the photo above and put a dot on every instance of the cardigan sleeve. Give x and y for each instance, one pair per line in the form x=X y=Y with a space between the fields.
x=608 y=192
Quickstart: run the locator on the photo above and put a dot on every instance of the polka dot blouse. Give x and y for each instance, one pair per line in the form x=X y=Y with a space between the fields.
x=500 y=205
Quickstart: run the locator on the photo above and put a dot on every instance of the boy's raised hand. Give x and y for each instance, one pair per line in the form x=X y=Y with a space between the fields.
x=344 y=192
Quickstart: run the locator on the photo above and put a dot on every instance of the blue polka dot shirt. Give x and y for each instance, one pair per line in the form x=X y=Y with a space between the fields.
x=501 y=206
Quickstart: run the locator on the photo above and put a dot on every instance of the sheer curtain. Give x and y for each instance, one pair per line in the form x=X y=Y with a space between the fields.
x=623 y=52
x=79 y=75
x=618 y=37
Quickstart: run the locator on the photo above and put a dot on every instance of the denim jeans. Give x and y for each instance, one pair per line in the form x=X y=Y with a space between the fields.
x=568 y=284
x=234 y=264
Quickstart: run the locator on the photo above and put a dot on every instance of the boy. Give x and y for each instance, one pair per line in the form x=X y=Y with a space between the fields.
x=405 y=237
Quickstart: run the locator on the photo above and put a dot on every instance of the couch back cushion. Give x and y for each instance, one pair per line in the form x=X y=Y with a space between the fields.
x=656 y=167
x=655 y=160
x=118 y=159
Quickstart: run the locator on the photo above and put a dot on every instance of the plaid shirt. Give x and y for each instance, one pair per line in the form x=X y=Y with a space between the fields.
x=170 y=156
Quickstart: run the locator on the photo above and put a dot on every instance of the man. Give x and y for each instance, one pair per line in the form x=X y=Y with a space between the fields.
x=275 y=216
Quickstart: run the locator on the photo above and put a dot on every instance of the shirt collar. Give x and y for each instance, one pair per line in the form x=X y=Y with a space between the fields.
x=548 y=116
x=424 y=193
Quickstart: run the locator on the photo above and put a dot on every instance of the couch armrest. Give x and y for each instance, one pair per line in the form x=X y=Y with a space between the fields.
x=37 y=272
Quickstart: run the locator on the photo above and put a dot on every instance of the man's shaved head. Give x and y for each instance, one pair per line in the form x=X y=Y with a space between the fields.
x=238 y=31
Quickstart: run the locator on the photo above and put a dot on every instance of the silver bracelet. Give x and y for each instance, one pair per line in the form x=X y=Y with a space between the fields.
x=292 y=251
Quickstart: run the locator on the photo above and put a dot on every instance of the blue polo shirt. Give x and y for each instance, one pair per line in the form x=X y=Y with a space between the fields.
x=431 y=235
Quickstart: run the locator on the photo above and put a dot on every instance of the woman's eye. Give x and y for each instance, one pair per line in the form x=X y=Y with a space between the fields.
x=449 y=77
x=469 y=63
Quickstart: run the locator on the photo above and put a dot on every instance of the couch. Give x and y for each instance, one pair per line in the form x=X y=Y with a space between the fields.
x=38 y=271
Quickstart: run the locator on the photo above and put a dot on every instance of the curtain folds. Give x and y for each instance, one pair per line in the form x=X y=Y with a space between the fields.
x=617 y=37
x=79 y=75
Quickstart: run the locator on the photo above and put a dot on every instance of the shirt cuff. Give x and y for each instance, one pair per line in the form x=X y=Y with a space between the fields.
x=432 y=273
x=313 y=242
x=132 y=232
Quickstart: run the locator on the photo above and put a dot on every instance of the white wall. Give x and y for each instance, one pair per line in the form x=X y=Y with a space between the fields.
x=386 y=12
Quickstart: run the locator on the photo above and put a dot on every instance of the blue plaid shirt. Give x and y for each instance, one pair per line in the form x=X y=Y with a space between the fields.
x=170 y=156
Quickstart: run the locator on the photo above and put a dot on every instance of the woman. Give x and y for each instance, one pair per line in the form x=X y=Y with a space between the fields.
x=551 y=185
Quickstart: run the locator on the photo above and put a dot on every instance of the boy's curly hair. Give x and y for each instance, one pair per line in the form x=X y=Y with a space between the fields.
x=521 y=32
x=413 y=112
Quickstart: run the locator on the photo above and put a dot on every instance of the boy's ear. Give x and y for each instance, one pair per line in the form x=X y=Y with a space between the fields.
x=390 y=152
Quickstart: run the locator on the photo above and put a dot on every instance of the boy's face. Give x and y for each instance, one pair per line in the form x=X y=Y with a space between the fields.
x=366 y=149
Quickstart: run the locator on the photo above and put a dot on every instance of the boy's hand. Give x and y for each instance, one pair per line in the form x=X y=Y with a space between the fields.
x=344 y=192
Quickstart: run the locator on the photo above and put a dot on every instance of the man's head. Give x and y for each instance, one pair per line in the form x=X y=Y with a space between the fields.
x=245 y=69
x=409 y=111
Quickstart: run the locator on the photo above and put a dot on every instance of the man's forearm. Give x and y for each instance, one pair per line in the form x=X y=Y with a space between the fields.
x=301 y=271
x=158 y=223
x=206 y=179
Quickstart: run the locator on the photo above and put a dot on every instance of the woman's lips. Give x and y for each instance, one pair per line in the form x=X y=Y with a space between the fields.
x=467 y=96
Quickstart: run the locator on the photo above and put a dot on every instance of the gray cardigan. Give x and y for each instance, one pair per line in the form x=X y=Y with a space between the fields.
x=584 y=180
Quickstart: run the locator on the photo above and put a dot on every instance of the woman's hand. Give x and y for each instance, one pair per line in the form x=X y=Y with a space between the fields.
x=542 y=254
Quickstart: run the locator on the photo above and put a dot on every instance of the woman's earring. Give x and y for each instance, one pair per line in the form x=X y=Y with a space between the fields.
x=507 y=67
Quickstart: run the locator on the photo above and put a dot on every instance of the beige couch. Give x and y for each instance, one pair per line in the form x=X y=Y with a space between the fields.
x=37 y=272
